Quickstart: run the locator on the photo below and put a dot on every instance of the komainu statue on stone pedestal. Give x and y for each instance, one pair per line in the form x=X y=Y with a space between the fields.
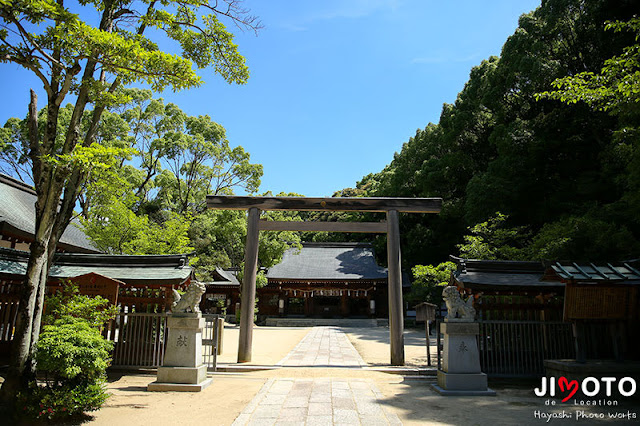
x=190 y=300
x=456 y=306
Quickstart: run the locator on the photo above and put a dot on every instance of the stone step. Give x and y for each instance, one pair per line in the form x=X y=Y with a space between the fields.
x=315 y=322
x=415 y=372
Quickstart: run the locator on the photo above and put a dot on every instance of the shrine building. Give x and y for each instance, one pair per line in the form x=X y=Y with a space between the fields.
x=326 y=280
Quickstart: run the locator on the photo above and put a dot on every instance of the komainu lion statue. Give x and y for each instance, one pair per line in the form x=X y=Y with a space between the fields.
x=456 y=306
x=190 y=300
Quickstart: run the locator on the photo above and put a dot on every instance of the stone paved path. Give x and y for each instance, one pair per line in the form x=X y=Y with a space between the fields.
x=324 y=347
x=319 y=401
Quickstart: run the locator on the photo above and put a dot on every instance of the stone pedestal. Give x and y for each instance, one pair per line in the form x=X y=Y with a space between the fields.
x=183 y=369
x=460 y=374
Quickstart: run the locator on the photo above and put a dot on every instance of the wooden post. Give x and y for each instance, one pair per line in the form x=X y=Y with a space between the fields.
x=579 y=341
x=219 y=324
x=396 y=323
x=248 y=297
x=426 y=331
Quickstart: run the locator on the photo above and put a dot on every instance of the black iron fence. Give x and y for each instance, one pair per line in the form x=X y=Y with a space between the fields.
x=519 y=348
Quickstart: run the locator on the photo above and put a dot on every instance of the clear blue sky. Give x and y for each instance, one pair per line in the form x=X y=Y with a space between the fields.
x=337 y=86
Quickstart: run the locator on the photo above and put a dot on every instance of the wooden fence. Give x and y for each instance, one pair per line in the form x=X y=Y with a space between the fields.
x=140 y=340
x=9 y=302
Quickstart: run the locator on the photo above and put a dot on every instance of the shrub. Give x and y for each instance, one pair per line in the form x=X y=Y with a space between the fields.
x=71 y=356
x=57 y=402
x=67 y=302
x=72 y=351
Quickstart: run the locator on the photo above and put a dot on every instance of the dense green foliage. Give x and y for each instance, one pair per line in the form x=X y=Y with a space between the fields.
x=428 y=282
x=72 y=357
x=67 y=305
x=564 y=175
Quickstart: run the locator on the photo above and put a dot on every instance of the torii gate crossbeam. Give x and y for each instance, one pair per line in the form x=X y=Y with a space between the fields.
x=391 y=206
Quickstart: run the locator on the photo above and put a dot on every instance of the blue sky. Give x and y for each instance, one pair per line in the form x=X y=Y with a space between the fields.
x=336 y=86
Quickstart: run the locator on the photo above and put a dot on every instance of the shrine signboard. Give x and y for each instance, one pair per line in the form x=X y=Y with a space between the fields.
x=93 y=284
x=600 y=302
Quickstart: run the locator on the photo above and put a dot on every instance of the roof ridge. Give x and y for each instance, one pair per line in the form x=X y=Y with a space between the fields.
x=16 y=183
x=335 y=244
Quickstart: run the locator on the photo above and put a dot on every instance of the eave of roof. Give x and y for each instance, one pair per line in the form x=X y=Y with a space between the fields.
x=501 y=274
x=622 y=273
x=134 y=270
x=17 y=216
x=493 y=279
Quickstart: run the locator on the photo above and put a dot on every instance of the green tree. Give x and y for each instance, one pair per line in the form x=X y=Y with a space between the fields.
x=182 y=159
x=174 y=162
x=493 y=240
x=616 y=88
x=72 y=57
x=428 y=282
x=502 y=147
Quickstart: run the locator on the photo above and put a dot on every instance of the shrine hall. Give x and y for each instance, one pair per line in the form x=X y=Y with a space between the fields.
x=320 y=280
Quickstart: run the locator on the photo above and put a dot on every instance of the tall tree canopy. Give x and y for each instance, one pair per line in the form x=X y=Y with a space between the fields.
x=89 y=64
x=568 y=173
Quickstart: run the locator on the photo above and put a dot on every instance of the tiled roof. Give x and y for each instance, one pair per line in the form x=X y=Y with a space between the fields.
x=329 y=261
x=17 y=215
x=622 y=272
x=141 y=270
x=522 y=274
x=223 y=278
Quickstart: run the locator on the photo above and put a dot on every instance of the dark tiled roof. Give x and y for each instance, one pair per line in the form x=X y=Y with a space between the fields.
x=623 y=272
x=140 y=270
x=474 y=273
x=223 y=278
x=329 y=261
x=17 y=216
x=519 y=274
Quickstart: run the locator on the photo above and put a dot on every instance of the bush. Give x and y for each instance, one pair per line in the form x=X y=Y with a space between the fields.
x=72 y=351
x=57 y=402
x=71 y=356
x=67 y=302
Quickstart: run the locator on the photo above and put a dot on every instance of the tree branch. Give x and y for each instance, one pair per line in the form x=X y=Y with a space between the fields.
x=25 y=34
x=34 y=147
x=27 y=64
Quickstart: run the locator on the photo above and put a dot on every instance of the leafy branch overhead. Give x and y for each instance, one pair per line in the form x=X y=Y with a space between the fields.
x=91 y=63
x=49 y=39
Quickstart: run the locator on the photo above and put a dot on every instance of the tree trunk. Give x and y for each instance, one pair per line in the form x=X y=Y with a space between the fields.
x=21 y=367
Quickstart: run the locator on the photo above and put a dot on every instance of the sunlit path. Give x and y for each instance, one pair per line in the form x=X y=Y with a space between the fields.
x=324 y=346
x=321 y=400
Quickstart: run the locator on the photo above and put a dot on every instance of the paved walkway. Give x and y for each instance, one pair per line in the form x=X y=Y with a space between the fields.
x=319 y=401
x=324 y=347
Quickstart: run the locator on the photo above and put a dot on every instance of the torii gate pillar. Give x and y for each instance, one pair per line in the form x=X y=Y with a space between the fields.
x=396 y=320
x=248 y=290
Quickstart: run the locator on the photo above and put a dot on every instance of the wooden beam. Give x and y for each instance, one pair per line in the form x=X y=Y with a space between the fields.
x=248 y=290
x=362 y=227
x=396 y=316
x=365 y=204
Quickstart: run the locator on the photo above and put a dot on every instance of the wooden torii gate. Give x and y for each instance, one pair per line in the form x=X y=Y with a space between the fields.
x=390 y=206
